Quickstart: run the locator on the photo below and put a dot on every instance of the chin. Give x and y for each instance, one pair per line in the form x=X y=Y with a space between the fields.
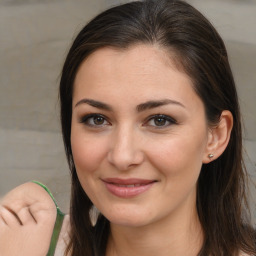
x=128 y=222
x=134 y=219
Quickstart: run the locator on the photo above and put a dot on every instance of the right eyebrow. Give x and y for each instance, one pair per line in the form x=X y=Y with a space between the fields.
x=94 y=103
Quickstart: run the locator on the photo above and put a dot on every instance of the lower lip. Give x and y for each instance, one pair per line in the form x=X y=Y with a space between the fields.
x=126 y=192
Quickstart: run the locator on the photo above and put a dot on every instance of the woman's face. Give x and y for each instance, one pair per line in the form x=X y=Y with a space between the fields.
x=138 y=136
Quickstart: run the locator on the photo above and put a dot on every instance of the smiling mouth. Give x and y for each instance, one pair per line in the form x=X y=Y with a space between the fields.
x=126 y=188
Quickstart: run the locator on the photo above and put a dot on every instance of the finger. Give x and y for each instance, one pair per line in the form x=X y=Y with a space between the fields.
x=44 y=212
x=26 y=217
x=31 y=197
x=9 y=217
x=24 y=196
x=2 y=220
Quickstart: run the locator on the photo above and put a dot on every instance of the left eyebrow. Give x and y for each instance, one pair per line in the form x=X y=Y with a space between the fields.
x=157 y=103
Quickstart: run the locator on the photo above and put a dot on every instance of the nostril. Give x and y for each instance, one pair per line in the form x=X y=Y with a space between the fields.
x=124 y=151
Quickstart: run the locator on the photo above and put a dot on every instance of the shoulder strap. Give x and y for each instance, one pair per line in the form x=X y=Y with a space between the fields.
x=58 y=222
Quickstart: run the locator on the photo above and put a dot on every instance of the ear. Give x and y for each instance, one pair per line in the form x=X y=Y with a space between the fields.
x=218 y=137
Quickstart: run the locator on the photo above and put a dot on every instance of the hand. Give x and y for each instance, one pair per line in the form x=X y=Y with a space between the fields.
x=27 y=218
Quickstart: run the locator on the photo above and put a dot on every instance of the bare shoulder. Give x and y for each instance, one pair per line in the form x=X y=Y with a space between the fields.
x=29 y=194
x=29 y=202
x=64 y=237
x=27 y=217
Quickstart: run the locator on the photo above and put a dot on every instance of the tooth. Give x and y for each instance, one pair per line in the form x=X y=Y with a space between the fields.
x=130 y=186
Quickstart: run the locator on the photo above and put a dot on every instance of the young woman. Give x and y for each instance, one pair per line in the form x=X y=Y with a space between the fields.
x=152 y=132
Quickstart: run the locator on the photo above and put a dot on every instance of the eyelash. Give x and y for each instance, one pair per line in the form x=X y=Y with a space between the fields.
x=85 y=120
x=166 y=118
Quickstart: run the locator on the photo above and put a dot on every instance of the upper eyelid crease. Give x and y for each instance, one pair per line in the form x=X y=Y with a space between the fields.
x=83 y=120
x=91 y=116
x=167 y=118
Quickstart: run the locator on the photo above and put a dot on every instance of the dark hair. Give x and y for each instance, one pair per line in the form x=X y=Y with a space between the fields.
x=179 y=28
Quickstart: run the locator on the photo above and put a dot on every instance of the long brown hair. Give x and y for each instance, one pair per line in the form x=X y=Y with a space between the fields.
x=199 y=50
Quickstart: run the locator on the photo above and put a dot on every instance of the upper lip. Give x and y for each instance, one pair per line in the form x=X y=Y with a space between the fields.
x=131 y=181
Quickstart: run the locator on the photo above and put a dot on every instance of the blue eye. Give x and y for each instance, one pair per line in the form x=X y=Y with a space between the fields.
x=160 y=121
x=94 y=120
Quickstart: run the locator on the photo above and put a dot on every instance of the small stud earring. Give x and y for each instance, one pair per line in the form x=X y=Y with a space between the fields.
x=210 y=156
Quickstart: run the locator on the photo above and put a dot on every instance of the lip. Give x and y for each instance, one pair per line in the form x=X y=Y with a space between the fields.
x=126 y=188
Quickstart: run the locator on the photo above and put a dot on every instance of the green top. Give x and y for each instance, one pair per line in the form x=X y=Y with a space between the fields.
x=58 y=222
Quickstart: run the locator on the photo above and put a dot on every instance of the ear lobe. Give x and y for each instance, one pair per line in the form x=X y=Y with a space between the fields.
x=218 y=137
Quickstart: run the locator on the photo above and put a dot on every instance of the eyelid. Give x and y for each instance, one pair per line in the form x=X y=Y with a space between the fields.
x=166 y=117
x=84 y=118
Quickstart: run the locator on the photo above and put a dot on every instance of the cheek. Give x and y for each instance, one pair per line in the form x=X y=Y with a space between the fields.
x=87 y=152
x=178 y=155
x=179 y=164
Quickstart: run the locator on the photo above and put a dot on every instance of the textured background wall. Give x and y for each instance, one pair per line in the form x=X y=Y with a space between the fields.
x=34 y=38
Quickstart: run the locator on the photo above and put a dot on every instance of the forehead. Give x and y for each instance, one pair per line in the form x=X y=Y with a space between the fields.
x=135 y=53
x=143 y=72
x=140 y=60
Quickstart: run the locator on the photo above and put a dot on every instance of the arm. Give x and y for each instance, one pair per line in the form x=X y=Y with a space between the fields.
x=27 y=218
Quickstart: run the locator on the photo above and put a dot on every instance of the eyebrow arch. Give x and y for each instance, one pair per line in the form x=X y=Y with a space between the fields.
x=157 y=103
x=94 y=103
x=141 y=107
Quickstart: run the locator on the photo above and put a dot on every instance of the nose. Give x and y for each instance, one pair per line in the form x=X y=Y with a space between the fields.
x=125 y=151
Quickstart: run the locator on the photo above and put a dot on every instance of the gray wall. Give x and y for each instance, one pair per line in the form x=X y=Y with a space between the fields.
x=34 y=38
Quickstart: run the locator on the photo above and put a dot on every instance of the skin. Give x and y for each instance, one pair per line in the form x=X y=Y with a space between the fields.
x=127 y=143
x=27 y=217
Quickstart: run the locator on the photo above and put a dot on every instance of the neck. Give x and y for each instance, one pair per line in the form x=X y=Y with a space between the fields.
x=171 y=236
